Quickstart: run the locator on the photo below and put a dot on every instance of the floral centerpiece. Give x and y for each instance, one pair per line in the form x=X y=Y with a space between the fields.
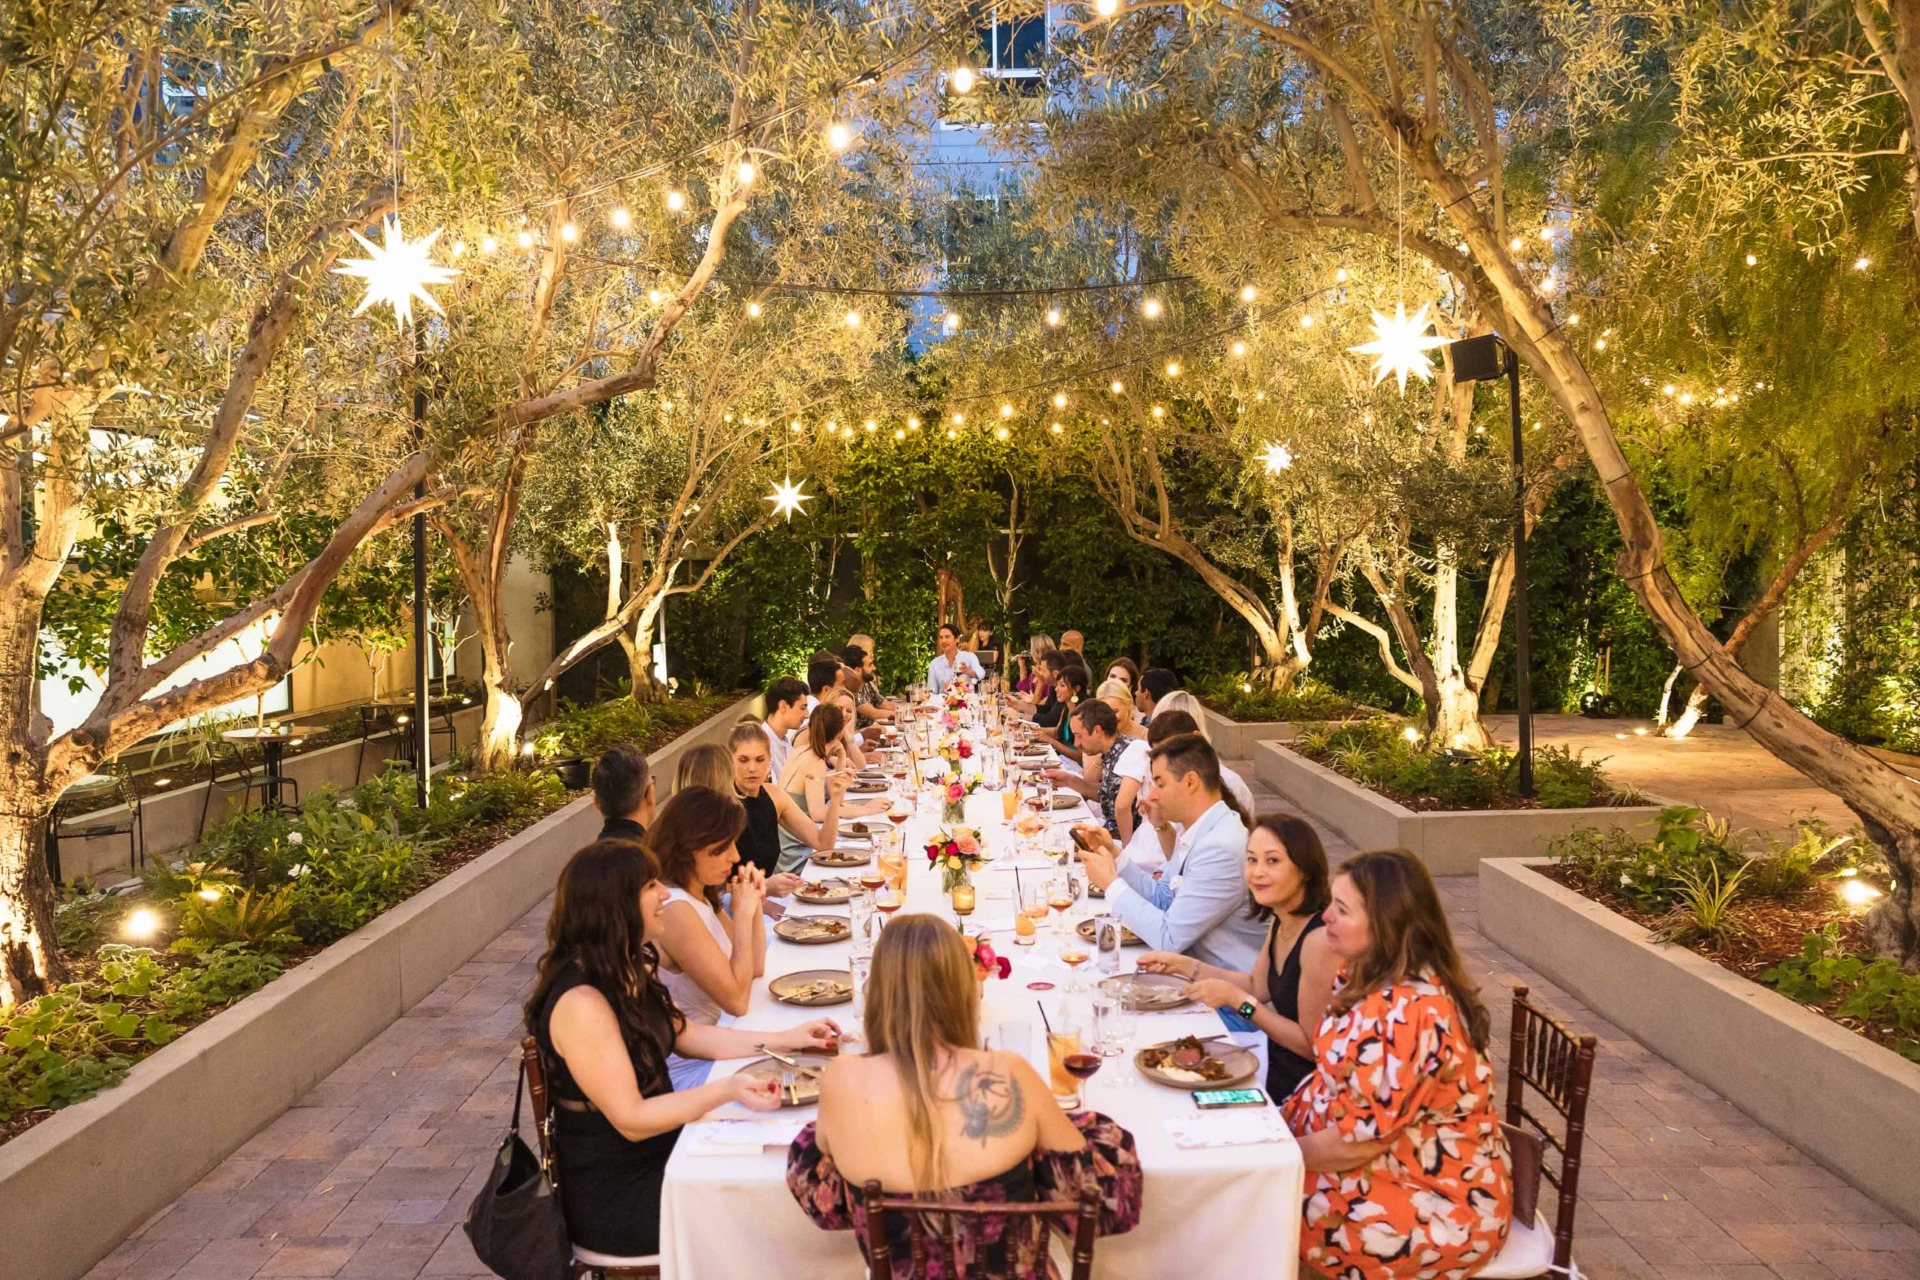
x=955 y=748
x=957 y=854
x=954 y=790
x=987 y=963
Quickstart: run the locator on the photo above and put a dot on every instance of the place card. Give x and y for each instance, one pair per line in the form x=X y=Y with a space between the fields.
x=1232 y=1127
x=740 y=1137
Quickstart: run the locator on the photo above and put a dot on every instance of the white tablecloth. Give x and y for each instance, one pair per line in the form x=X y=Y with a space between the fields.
x=1216 y=1211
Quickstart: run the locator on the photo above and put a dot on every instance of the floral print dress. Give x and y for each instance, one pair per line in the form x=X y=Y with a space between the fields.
x=1399 y=1068
x=991 y=1248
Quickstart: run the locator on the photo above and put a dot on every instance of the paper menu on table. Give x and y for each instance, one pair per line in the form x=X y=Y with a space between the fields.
x=1229 y=1127
x=741 y=1137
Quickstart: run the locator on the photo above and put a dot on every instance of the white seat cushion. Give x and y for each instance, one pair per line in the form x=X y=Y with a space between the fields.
x=1527 y=1252
x=593 y=1259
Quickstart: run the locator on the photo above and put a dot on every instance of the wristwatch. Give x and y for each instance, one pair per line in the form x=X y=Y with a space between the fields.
x=1247 y=1009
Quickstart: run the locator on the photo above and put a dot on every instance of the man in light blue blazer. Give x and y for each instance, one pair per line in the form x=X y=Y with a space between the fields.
x=1198 y=906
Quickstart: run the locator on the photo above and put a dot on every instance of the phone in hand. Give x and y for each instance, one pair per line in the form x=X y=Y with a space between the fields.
x=1081 y=838
x=1216 y=1099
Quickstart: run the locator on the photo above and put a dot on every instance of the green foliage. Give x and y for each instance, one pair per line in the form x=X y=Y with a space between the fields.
x=1237 y=696
x=258 y=919
x=589 y=730
x=1691 y=853
x=1875 y=992
x=1376 y=753
x=1704 y=909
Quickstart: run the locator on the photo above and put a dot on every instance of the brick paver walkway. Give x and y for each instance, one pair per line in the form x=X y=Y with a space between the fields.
x=370 y=1174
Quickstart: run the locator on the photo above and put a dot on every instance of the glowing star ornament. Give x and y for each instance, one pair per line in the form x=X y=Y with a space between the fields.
x=1400 y=345
x=788 y=497
x=397 y=271
x=1278 y=459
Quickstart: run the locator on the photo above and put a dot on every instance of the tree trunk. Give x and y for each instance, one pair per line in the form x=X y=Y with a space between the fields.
x=499 y=723
x=1453 y=713
x=30 y=963
x=639 y=649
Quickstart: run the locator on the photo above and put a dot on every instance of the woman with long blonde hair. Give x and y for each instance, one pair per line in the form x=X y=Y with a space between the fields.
x=926 y=1112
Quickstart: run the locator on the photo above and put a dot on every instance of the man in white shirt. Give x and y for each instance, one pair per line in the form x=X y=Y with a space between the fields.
x=1198 y=905
x=786 y=712
x=951 y=661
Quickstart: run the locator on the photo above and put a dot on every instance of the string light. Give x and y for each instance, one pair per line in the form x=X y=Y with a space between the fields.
x=913 y=424
x=1000 y=433
x=1752 y=261
x=488 y=244
x=569 y=233
x=1059 y=399
x=459 y=247
x=1340 y=276
x=676 y=201
x=1278 y=459
x=1116 y=386
x=397 y=271
x=1546 y=233
x=1159 y=412
x=1173 y=368
x=1248 y=293
x=1106 y=8
x=788 y=497
x=951 y=321
x=526 y=239
x=839 y=137
x=753 y=311
x=1306 y=319
x=1862 y=262
x=1400 y=345
x=1599 y=344
x=654 y=296
x=1053 y=316
x=1667 y=390
x=899 y=433
x=620 y=218
x=796 y=425
x=1574 y=319
x=1056 y=428
x=853 y=319
x=1006 y=411
x=959 y=419
x=1238 y=348
x=962 y=80
x=745 y=173
x=871 y=426
x=1516 y=244
x=1150 y=308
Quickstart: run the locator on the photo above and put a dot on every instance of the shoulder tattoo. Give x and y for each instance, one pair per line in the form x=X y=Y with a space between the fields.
x=991 y=1105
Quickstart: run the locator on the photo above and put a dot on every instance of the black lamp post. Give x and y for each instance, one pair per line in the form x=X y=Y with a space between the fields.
x=1483 y=359
x=422 y=691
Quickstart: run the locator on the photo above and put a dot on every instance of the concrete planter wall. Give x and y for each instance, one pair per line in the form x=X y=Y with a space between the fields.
x=1235 y=739
x=1844 y=1100
x=74 y=1186
x=172 y=818
x=1451 y=844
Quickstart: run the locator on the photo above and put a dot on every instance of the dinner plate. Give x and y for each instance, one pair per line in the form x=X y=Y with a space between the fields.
x=813 y=931
x=785 y=987
x=1239 y=1066
x=865 y=787
x=1128 y=938
x=799 y=1087
x=1065 y=800
x=840 y=857
x=825 y=893
x=1147 y=992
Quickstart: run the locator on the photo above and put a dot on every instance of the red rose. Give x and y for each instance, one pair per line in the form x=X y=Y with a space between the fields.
x=966 y=749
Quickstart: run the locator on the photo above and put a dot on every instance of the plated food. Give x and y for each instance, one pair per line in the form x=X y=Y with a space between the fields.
x=799 y=1086
x=1188 y=1063
x=1147 y=992
x=839 y=857
x=812 y=987
x=812 y=930
x=1065 y=800
x=867 y=786
x=1089 y=929
x=829 y=892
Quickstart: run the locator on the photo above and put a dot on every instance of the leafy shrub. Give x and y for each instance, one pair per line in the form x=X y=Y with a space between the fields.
x=1690 y=846
x=1241 y=697
x=258 y=919
x=589 y=730
x=1704 y=909
x=1789 y=868
x=1376 y=753
x=345 y=886
x=1875 y=992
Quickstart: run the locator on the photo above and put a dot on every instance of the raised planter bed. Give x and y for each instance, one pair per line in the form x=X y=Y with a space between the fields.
x=1236 y=739
x=1450 y=843
x=75 y=1185
x=1847 y=1102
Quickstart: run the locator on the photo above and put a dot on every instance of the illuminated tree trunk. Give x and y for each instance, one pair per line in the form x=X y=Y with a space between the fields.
x=30 y=965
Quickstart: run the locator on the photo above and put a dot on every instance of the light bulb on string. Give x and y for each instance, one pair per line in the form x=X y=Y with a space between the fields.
x=1248 y=293
x=959 y=418
x=1278 y=458
x=620 y=218
x=962 y=80
x=853 y=319
x=1000 y=433
x=753 y=311
x=1238 y=349
x=1059 y=399
x=1306 y=319
x=676 y=201
x=1173 y=368
x=913 y=424
x=1106 y=8
x=397 y=271
x=569 y=233
x=1056 y=428
x=1053 y=316
x=1150 y=308
x=1752 y=261
x=899 y=433
x=525 y=239
x=1006 y=411
x=744 y=173
x=951 y=322
x=1862 y=262
x=1159 y=411
x=1340 y=276
x=488 y=244
x=1400 y=345
x=839 y=137
x=1116 y=386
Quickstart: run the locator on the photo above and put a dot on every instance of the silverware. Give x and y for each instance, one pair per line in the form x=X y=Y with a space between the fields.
x=778 y=1056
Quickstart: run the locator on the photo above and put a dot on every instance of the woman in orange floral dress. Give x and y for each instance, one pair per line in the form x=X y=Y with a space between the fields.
x=1408 y=1176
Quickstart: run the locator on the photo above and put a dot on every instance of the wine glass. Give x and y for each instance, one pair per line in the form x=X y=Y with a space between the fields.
x=1070 y=1056
x=1060 y=898
x=1074 y=952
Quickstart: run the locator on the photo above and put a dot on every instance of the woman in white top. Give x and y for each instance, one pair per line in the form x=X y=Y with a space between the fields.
x=1231 y=781
x=709 y=955
x=815 y=779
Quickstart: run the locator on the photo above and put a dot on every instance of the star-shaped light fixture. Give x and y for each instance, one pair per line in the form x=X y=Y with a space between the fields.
x=398 y=271
x=1400 y=345
x=788 y=497
x=1278 y=459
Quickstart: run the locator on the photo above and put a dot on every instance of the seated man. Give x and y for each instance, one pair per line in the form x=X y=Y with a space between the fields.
x=824 y=685
x=623 y=793
x=1198 y=905
x=868 y=702
x=951 y=661
x=1096 y=729
x=1155 y=684
x=786 y=712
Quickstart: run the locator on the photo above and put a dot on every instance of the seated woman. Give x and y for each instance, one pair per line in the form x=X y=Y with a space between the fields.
x=1408 y=1176
x=770 y=811
x=605 y=1027
x=1028 y=664
x=1287 y=992
x=710 y=949
x=1069 y=687
x=1125 y=670
x=706 y=765
x=816 y=781
x=927 y=1113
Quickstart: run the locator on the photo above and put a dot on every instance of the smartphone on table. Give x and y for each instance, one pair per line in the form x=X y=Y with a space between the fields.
x=1216 y=1099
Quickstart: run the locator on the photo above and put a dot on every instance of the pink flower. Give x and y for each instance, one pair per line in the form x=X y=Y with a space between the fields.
x=966 y=749
x=968 y=845
x=956 y=792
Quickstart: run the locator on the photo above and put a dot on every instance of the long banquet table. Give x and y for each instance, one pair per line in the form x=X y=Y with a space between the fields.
x=1217 y=1211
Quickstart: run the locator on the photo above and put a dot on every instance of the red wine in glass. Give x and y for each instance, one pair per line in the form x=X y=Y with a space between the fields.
x=1081 y=1066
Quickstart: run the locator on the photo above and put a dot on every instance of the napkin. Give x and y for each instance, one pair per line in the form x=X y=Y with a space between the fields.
x=1232 y=1127
x=740 y=1137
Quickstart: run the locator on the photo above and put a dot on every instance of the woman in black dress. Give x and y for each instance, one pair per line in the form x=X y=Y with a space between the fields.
x=1287 y=992
x=605 y=1026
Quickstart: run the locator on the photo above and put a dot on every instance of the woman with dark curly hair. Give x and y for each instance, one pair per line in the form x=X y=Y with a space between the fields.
x=605 y=1027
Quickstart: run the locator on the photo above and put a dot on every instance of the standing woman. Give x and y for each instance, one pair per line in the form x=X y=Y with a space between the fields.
x=1408 y=1172
x=1288 y=990
x=710 y=950
x=770 y=811
x=605 y=1027
x=816 y=781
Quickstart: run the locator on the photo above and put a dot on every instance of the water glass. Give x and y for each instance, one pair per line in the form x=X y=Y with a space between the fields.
x=1117 y=1024
x=860 y=914
x=860 y=965
x=1108 y=936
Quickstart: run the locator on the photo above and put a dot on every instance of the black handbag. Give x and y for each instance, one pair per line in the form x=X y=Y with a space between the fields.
x=515 y=1223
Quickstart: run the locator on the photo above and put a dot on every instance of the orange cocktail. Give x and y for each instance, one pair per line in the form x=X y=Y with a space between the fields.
x=895 y=865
